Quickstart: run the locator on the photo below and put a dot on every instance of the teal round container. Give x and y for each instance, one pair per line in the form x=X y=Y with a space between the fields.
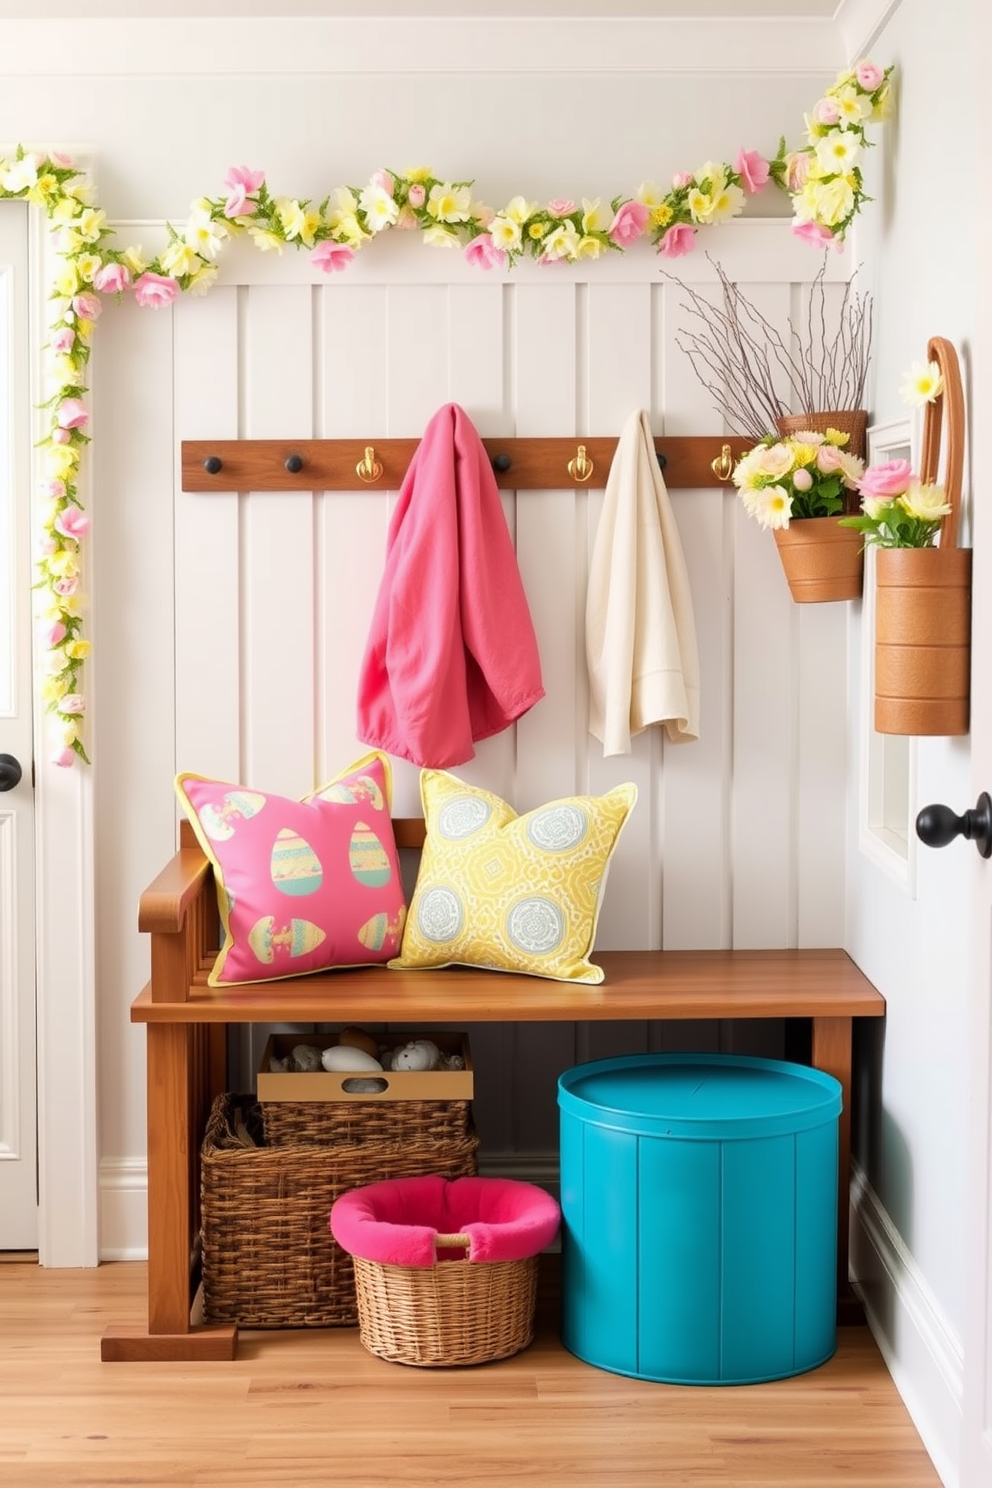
x=699 y=1217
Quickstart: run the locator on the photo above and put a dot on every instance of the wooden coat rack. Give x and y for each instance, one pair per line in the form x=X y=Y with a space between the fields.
x=688 y=462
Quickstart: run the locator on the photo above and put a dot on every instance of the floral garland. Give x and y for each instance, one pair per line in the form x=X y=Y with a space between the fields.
x=823 y=179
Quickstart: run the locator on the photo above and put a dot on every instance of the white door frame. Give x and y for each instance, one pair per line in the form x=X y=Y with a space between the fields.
x=64 y=903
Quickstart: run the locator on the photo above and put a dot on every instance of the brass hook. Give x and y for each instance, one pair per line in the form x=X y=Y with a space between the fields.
x=723 y=466
x=579 y=467
x=368 y=468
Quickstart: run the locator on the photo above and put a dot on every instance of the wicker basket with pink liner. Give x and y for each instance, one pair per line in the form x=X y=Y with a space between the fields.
x=445 y=1269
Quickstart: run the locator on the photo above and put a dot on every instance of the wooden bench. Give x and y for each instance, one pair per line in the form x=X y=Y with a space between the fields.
x=186 y=1050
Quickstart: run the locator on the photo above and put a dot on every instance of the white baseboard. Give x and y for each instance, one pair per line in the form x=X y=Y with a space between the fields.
x=923 y=1353
x=123 y=1209
x=124 y=1196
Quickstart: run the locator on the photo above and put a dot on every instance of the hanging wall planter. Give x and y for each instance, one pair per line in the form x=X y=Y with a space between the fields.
x=821 y=560
x=923 y=595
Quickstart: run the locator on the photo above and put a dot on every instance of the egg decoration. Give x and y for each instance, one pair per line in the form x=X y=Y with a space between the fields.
x=380 y=930
x=357 y=1038
x=367 y=857
x=294 y=866
x=306 y=1058
x=218 y=820
x=298 y=938
x=346 y=1057
x=418 y=1054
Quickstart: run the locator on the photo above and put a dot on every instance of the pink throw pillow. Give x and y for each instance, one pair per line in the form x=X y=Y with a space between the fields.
x=301 y=885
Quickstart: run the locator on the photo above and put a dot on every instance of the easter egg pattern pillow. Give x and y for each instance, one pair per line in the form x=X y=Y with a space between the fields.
x=301 y=885
x=508 y=892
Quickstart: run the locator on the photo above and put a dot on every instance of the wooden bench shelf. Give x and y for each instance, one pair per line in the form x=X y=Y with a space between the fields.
x=186 y=1054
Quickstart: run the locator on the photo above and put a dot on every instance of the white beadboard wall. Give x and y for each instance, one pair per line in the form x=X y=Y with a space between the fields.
x=737 y=839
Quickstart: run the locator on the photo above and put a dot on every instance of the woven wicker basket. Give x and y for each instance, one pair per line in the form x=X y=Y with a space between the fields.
x=269 y=1259
x=454 y=1312
x=313 y=1123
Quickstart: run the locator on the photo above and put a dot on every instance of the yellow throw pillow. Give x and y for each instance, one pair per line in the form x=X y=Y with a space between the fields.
x=508 y=892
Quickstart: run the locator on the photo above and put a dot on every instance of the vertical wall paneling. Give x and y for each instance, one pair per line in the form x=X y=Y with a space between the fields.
x=208 y=699
x=351 y=526
x=822 y=772
x=277 y=548
x=695 y=784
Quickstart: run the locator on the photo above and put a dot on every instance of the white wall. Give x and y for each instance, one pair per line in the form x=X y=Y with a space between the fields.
x=911 y=1135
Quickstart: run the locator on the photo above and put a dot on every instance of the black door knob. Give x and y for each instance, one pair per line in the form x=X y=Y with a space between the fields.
x=938 y=825
x=10 y=772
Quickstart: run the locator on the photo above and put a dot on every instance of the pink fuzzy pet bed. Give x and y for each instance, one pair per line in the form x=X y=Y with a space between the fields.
x=397 y=1222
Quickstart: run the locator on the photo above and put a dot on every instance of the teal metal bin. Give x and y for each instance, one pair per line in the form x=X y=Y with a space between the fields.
x=699 y=1217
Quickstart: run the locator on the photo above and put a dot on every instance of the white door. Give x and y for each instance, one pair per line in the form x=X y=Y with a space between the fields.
x=18 y=1123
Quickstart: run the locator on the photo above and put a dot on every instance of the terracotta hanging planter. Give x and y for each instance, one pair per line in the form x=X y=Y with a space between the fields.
x=822 y=560
x=850 y=421
x=923 y=595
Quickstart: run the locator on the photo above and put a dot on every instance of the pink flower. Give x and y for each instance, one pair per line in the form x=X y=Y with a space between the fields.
x=828 y=459
x=629 y=223
x=826 y=111
x=113 y=278
x=383 y=181
x=153 y=291
x=682 y=178
x=752 y=169
x=73 y=703
x=52 y=487
x=561 y=206
x=64 y=587
x=240 y=175
x=417 y=195
x=238 y=203
x=330 y=256
x=65 y=758
x=72 y=413
x=53 y=634
x=868 y=75
x=802 y=479
x=63 y=339
x=61 y=436
x=483 y=253
x=46 y=547
x=890 y=479
x=407 y=218
x=678 y=240
x=72 y=523
x=87 y=305
x=815 y=234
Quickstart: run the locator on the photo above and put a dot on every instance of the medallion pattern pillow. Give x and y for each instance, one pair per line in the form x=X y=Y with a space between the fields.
x=508 y=892
x=301 y=885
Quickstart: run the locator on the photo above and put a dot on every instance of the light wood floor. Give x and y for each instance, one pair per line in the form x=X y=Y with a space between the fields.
x=307 y=1408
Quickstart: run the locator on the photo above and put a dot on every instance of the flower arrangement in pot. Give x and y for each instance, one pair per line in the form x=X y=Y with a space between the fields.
x=922 y=578
x=791 y=485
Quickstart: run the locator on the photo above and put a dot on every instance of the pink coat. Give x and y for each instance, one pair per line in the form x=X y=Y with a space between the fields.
x=451 y=655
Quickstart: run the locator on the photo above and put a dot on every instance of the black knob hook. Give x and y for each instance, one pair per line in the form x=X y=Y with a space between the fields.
x=662 y=460
x=502 y=463
x=213 y=464
x=938 y=825
x=294 y=464
x=10 y=772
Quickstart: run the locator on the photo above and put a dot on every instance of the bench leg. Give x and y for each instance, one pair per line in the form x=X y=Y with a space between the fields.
x=831 y=1052
x=172 y=1170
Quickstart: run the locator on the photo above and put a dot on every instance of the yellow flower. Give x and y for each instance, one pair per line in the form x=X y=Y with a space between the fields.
x=928 y=503
x=537 y=230
x=594 y=219
x=449 y=203
x=562 y=242
x=63 y=564
x=804 y=454
x=852 y=106
x=202 y=233
x=87 y=265
x=65 y=210
x=700 y=204
x=67 y=729
x=64 y=371
x=518 y=209
x=505 y=233
x=726 y=203
x=134 y=260
x=714 y=173
x=649 y=194
x=923 y=383
x=54 y=688
x=831 y=201
x=67 y=279
x=77 y=650
x=420 y=173
x=836 y=438
x=269 y=242
x=203 y=279
x=440 y=237
x=92 y=222
x=61 y=460
x=589 y=247
x=838 y=152
x=661 y=215
x=179 y=259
